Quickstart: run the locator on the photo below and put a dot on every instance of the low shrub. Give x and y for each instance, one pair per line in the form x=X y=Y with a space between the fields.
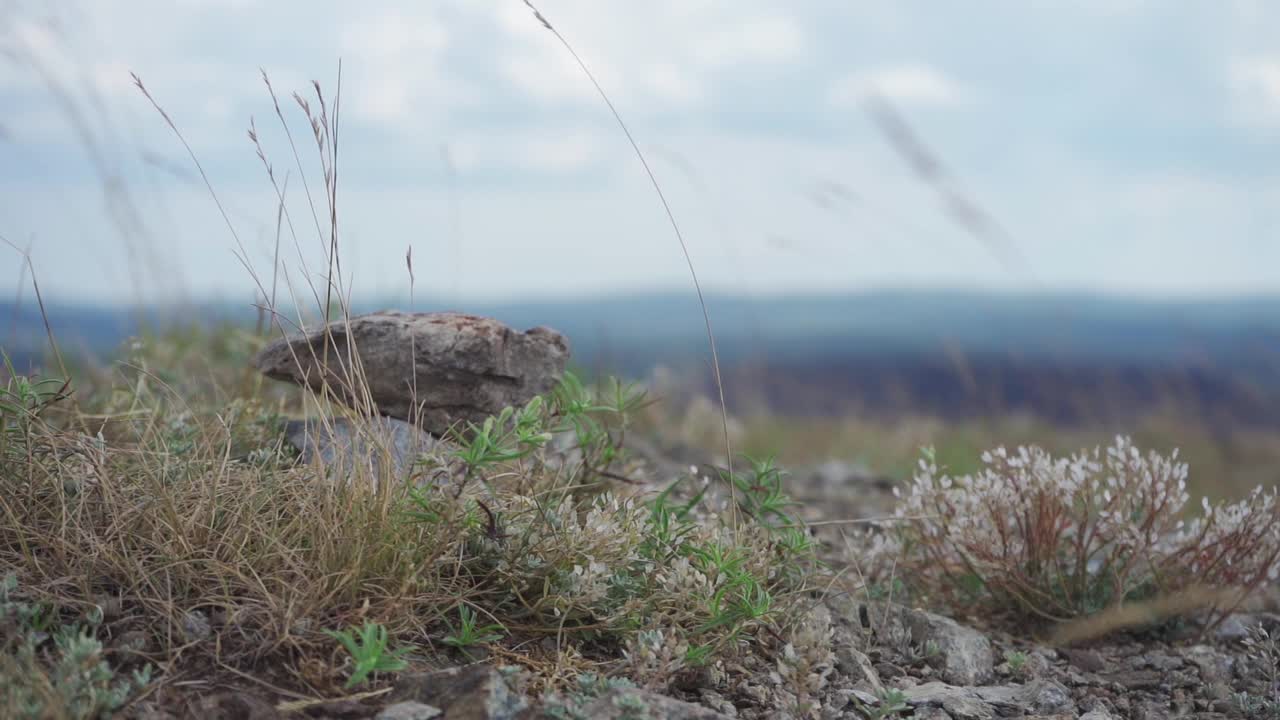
x=1052 y=539
x=51 y=670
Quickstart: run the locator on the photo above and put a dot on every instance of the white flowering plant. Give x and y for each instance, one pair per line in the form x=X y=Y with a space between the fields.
x=1061 y=538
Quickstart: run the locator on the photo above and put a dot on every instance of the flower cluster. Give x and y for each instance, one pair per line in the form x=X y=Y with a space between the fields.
x=1056 y=538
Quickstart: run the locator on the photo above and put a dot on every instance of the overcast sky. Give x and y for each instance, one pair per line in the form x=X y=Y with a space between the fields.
x=1113 y=145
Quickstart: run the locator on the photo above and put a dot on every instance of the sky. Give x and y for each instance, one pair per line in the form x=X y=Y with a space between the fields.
x=1117 y=146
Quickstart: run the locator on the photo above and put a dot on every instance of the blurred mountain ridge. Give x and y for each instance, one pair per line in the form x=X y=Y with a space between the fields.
x=954 y=353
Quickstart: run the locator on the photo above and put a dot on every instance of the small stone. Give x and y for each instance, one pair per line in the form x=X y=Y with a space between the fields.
x=1151 y=710
x=1156 y=660
x=628 y=703
x=966 y=708
x=961 y=703
x=856 y=666
x=717 y=702
x=1137 y=679
x=408 y=711
x=474 y=692
x=964 y=657
x=1046 y=697
x=1235 y=627
x=1086 y=660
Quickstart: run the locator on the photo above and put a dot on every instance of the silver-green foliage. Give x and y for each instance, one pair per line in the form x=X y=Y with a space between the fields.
x=62 y=673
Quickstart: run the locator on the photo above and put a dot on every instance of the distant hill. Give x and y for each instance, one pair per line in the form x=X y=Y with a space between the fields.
x=1067 y=357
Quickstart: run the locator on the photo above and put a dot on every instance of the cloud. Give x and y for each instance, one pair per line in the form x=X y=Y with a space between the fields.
x=1255 y=87
x=905 y=84
x=545 y=152
x=770 y=39
x=670 y=82
x=389 y=35
x=743 y=89
x=395 y=58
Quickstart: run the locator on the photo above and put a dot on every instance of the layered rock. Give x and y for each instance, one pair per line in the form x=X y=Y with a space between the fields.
x=435 y=369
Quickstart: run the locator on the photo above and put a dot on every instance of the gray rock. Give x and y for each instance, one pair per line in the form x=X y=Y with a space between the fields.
x=1041 y=698
x=1086 y=660
x=408 y=711
x=1046 y=697
x=961 y=655
x=1096 y=715
x=1214 y=667
x=964 y=655
x=1235 y=627
x=854 y=665
x=473 y=692
x=966 y=708
x=346 y=444
x=958 y=702
x=437 y=369
x=628 y=703
x=1136 y=679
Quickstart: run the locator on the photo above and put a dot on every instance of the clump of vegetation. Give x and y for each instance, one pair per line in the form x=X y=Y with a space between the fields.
x=1060 y=538
x=171 y=502
x=1262 y=649
x=48 y=669
x=369 y=652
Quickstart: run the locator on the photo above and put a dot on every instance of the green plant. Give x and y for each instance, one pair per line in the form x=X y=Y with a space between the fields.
x=368 y=650
x=586 y=687
x=598 y=420
x=470 y=633
x=62 y=673
x=1017 y=660
x=510 y=435
x=22 y=400
x=760 y=493
x=890 y=702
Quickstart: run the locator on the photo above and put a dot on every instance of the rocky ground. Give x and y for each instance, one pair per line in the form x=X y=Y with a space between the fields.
x=881 y=659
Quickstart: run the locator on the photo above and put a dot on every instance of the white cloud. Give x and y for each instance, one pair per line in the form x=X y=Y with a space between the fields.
x=649 y=56
x=390 y=35
x=395 y=58
x=1255 y=86
x=907 y=84
x=551 y=151
x=669 y=81
x=549 y=78
x=763 y=39
x=564 y=154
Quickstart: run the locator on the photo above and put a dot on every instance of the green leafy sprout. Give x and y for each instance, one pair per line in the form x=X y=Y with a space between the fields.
x=368 y=649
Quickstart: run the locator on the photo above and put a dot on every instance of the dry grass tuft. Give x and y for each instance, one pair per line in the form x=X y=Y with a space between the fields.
x=190 y=521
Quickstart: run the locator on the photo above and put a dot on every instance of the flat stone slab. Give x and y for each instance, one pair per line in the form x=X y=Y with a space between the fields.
x=435 y=369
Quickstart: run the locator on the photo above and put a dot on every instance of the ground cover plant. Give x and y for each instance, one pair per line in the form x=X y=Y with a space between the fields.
x=190 y=521
x=1049 y=539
